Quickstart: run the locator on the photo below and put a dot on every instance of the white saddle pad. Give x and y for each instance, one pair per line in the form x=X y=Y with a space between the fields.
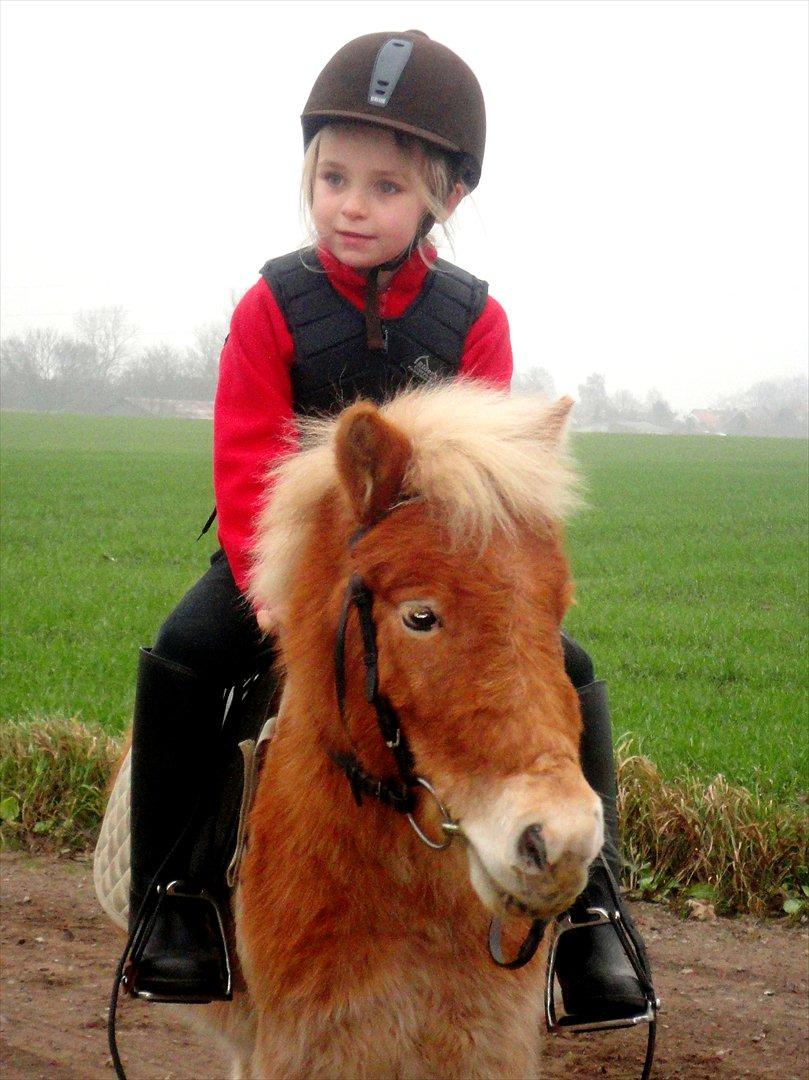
x=111 y=860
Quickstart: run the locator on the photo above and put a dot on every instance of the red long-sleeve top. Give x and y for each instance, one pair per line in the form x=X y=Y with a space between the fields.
x=253 y=414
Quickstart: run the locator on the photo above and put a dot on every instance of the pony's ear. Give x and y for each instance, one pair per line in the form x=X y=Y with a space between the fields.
x=372 y=456
x=553 y=421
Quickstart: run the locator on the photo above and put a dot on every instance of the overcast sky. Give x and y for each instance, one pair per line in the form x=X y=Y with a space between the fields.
x=644 y=205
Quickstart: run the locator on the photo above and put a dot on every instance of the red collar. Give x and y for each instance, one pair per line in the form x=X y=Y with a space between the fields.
x=402 y=290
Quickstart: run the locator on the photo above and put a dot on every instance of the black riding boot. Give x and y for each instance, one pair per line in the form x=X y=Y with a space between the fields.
x=598 y=982
x=179 y=952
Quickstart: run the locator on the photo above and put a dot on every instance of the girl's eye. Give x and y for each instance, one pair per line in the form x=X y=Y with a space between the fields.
x=420 y=617
x=387 y=187
x=333 y=179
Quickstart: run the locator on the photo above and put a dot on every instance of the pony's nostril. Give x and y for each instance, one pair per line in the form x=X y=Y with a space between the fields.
x=531 y=847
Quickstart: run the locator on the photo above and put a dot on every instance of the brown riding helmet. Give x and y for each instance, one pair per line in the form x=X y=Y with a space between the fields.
x=409 y=83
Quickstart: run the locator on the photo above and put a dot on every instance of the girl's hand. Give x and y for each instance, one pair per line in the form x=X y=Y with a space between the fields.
x=266 y=620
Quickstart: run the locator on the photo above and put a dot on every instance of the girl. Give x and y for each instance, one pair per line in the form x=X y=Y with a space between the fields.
x=394 y=133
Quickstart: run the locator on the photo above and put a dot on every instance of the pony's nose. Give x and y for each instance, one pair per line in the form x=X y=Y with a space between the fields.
x=531 y=848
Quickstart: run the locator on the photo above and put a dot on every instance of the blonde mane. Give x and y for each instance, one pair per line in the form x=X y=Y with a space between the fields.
x=482 y=460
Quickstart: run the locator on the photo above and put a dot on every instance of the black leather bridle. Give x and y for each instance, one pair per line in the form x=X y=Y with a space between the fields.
x=400 y=793
x=397 y=794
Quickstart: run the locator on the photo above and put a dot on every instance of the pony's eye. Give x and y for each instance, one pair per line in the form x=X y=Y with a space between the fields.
x=420 y=617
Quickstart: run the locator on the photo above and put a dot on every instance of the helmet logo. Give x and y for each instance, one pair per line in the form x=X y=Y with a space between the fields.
x=390 y=63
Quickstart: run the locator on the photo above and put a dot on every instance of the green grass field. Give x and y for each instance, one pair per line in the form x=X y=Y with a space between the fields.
x=690 y=563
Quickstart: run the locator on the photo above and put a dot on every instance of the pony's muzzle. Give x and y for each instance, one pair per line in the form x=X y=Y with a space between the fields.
x=529 y=850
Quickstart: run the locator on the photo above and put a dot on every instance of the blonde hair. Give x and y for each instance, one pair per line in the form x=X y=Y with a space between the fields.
x=432 y=172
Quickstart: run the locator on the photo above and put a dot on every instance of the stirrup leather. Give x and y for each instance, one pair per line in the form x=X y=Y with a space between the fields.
x=598 y=916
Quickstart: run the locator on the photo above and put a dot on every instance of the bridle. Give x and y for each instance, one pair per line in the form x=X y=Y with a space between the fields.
x=400 y=795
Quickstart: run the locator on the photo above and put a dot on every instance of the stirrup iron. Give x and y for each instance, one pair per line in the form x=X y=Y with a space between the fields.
x=187 y=896
x=598 y=916
x=635 y=951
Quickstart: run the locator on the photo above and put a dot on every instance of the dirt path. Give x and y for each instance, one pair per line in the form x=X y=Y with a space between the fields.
x=735 y=995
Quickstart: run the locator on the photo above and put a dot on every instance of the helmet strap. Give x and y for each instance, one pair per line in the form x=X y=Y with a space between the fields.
x=373 y=320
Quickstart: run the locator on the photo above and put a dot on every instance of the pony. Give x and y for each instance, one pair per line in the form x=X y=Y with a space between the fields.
x=412 y=556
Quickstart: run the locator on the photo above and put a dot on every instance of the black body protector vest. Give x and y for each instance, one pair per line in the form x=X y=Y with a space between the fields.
x=333 y=365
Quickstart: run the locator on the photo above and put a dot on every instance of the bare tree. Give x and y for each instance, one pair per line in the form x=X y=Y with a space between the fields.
x=204 y=354
x=594 y=404
x=537 y=380
x=627 y=406
x=659 y=411
x=106 y=334
x=786 y=393
x=159 y=371
x=32 y=368
x=36 y=355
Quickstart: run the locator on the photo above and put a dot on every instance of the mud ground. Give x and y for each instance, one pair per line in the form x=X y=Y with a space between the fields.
x=734 y=993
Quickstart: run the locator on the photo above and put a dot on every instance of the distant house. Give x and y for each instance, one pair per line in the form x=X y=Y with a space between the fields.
x=637 y=427
x=179 y=407
x=708 y=421
x=787 y=422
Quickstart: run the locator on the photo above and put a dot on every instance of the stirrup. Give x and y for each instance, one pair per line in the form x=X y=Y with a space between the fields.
x=632 y=944
x=142 y=932
x=598 y=916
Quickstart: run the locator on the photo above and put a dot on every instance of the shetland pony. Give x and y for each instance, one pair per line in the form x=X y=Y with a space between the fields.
x=362 y=952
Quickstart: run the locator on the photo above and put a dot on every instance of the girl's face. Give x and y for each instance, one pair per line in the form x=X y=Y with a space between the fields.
x=366 y=201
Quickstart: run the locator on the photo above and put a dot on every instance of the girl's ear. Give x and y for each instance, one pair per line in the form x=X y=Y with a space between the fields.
x=451 y=205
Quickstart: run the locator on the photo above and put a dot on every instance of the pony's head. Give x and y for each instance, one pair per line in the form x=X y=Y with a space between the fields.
x=447 y=504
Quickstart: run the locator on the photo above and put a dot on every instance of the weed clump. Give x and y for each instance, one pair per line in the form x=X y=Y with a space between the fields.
x=53 y=782
x=716 y=842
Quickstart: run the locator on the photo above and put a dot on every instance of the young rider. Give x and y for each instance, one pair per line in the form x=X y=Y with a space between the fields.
x=394 y=133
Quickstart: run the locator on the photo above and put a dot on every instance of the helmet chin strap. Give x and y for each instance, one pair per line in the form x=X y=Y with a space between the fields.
x=373 y=321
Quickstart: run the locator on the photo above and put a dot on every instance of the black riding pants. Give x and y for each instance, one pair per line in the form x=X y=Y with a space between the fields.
x=213 y=631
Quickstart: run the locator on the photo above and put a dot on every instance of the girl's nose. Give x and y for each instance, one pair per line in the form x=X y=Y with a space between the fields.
x=354 y=205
